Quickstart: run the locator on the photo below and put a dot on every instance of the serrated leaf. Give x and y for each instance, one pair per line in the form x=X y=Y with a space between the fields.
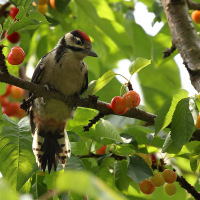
x=88 y=184
x=182 y=125
x=138 y=169
x=165 y=114
x=97 y=85
x=7 y=24
x=169 y=146
x=105 y=129
x=27 y=4
x=21 y=14
x=138 y=64
x=34 y=20
x=17 y=162
x=122 y=180
x=194 y=158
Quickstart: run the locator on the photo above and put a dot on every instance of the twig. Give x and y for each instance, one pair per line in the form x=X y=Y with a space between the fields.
x=193 y=5
x=190 y=189
x=93 y=121
x=92 y=155
x=168 y=52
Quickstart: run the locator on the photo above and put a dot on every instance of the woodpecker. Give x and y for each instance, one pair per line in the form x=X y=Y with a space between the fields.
x=63 y=70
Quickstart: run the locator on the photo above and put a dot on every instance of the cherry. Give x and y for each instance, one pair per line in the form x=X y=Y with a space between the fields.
x=13 y=38
x=131 y=99
x=117 y=105
x=146 y=158
x=16 y=56
x=147 y=187
x=3 y=100
x=169 y=176
x=52 y=3
x=42 y=8
x=196 y=16
x=13 y=12
x=102 y=150
x=157 y=179
x=16 y=92
x=170 y=189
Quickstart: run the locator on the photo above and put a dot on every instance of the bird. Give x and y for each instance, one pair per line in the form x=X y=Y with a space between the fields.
x=62 y=70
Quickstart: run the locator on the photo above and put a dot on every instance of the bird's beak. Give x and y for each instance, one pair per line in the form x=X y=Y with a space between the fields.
x=90 y=52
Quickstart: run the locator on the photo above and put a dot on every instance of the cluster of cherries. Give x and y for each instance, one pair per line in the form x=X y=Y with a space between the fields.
x=10 y=101
x=43 y=6
x=16 y=55
x=166 y=178
x=120 y=105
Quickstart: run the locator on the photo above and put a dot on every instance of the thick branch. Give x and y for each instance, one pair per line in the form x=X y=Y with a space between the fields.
x=184 y=35
x=102 y=107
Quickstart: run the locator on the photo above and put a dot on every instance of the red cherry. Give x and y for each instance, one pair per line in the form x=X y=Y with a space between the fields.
x=16 y=56
x=13 y=38
x=117 y=105
x=10 y=109
x=3 y=100
x=13 y=12
x=102 y=150
x=131 y=99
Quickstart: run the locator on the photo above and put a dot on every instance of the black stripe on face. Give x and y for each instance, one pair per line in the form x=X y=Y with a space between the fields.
x=74 y=48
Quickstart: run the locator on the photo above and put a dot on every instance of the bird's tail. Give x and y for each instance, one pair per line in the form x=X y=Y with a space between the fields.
x=49 y=147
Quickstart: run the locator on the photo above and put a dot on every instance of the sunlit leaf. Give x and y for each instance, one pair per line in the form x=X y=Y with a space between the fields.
x=17 y=162
x=85 y=183
x=138 y=64
x=97 y=85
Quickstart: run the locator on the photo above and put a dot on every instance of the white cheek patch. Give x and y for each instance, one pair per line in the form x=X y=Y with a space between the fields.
x=71 y=40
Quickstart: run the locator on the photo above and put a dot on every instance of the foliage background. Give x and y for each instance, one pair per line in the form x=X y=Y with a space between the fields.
x=115 y=36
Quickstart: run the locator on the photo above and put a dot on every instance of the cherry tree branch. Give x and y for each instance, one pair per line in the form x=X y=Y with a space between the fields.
x=102 y=107
x=193 y=5
x=184 y=36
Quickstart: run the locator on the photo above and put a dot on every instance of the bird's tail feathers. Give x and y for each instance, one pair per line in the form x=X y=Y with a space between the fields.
x=50 y=147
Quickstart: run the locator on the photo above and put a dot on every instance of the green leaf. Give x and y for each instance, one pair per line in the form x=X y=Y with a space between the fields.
x=169 y=146
x=194 y=158
x=6 y=193
x=34 y=20
x=87 y=184
x=38 y=187
x=61 y=5
x=122 y=180
x=182 y=125
x=138 y=64
x=27 y=4
x=138 y=169
x=105 y=129
x=166 y=112
x=7 y=24
x=17 y=162
x=97 y=85
x=21 y=14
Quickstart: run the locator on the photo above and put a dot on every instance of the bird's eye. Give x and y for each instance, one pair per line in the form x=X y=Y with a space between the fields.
x=78 y=42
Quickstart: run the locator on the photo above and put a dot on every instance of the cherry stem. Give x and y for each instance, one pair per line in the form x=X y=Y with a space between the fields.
x=122 y=76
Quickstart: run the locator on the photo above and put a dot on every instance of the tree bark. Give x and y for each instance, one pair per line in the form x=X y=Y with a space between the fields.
x=184 y=37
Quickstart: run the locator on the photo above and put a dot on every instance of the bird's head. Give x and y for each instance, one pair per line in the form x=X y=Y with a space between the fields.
x=79 y=43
